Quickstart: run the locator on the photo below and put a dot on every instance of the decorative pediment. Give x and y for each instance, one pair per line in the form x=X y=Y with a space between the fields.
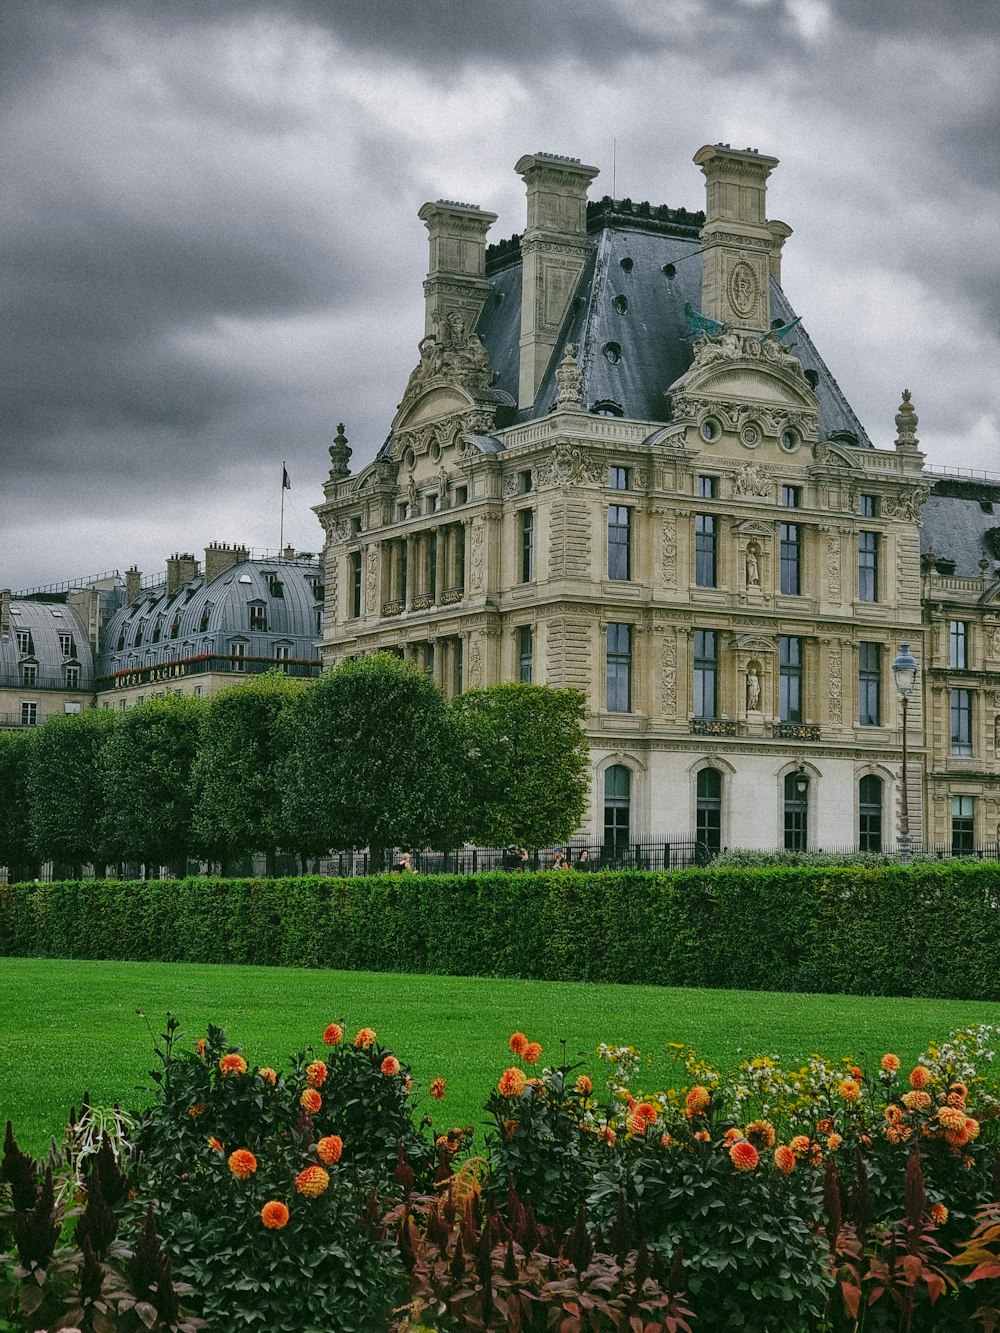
x=737 y=365
x=754 y=643
x=839 y=456
x=752 y=527
x=453 y=377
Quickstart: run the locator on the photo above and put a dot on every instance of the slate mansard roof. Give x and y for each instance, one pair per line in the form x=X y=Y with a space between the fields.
x=960 y=525
x=201 y=618
x=44 y=622
x=627 y=320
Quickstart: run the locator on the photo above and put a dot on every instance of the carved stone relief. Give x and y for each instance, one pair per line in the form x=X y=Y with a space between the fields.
x=476 y=555
x=668 y=683
x=751 y=479
x=835 y=683
x=475 y=666
x=371 y=580
x=668 y=551
x=833 y=565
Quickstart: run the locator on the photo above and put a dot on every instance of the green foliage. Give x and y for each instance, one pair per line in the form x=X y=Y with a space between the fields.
x=147 y=775
x=65 y=790
x=370 y=760
x=16 y=849
x=235 y=777
x=893 y=930
x=528 y=766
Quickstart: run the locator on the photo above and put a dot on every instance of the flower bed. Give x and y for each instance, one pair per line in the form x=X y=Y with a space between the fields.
x=830 y=1196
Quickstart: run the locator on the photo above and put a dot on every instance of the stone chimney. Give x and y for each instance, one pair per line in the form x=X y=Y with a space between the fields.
x=739 y=245
x=780 y=232
x=180 y=568
x=456 y=273
x=554 y=248
x=288 y=553
x=133 y=585
x=4 y=612
x=220 y=556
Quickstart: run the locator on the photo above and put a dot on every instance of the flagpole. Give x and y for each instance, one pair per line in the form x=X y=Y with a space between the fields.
x=281 y=533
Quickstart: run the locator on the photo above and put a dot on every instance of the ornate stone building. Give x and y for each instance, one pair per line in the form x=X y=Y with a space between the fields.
x=621 y=465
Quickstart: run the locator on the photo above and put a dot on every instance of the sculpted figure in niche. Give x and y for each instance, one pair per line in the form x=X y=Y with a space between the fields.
x=996 y=734
x=753 y=567
x=753 y=688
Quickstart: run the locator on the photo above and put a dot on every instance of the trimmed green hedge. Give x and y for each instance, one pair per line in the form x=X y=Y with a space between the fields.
x=927 y=930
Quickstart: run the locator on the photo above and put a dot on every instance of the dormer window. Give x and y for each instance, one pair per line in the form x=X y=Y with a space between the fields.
x=203 y=623
x=157 y=629
x=137 y=641
x=29 y=673
x=121 y=641
x=66 y=645
x=275 y=586
x=72 y=676
x=24 y=642
x=175 y=627
x=258 y=617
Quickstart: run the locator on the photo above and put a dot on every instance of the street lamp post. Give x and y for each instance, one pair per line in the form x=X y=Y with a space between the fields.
x=904 y=673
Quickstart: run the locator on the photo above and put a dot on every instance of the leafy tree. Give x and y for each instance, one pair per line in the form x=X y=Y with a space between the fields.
x=147 y=774
x=370 y=760
x=16 y=850
x=66 y=788
x=527 y=763
x=237 y=773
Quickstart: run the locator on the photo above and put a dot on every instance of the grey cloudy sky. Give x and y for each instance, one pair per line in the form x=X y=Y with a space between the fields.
x=211 y=253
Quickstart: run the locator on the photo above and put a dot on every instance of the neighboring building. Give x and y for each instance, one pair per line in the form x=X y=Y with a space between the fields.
x=617 y=467
x=46 y=659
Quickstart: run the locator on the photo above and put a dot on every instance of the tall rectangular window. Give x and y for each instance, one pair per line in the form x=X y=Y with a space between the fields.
x=706 y=673
x=432 y=564
x=963 y=825
x=355 y=583
x=29 y=673
x=619 y=542
x=29 y=713
x=527 y=545
x=23 y=641
x=282 y=655
x=790 y=679
x=791 y=562
x=66 y=645
x=705 y=488
x=791 y=497
x=72 y=677
x=957 y=642
x=619 y=670
x=869 y=684
x=525 y=653
x=868 y=506
x=961 y=721
x=867 y=566
x=238 y=652
x=258 y=617
x=459 y=677
x=460 y=555
x=618 y=478
x=704 y=550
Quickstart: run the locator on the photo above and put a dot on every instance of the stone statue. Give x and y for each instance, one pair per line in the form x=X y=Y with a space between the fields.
x=753 y=689
x=753 y=569
x=569 y=379
x=996 y=734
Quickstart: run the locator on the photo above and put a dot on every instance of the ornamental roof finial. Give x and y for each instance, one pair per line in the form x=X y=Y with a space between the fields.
x=906 y=424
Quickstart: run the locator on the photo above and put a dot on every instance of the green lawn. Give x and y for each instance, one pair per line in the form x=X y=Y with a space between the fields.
x=69 y=1026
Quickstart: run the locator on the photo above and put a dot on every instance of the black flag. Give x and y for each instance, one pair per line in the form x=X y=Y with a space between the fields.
x=286 y=485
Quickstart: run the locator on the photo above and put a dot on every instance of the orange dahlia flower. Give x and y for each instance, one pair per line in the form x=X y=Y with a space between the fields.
x=517 y=1042
x=938 y=1214
x=390 y=1066
x=242 y=1163
x=316 y=1074
x=584 y=1086
x=607 y=1135
x=274 y=1215
x=200 y=1046
x=784 y=1159
x=916 y=1101
x=312 y=1181
x=697 y=1100
x=365 y=1038
x=634 y=1124
x=702 y=1136
x=437 y=1088
x=834 y=1142
x=971 y=1128
x=954 y=1098
x=333 y=1034
x=232 y=1064
x=951 y=1117
x=761 y=1134
x=898 y=1133
x=196 y=1109
x=893 y=1113
x=531 y=1053
x=743 y=1155
x=512 y=1082
x=731 y=1136
x=958 y=1138
x=215 y=1145
x=959 y=1089
x=920 y=1077
x=849 y=1089
x=647 y=1112
x=310 y=1101
x=857 y=1073
x=824 y=1126
x=329 y=1149
x=890 y=1063
x=271 y=1075
x=666 y=1140
x=800 y=1145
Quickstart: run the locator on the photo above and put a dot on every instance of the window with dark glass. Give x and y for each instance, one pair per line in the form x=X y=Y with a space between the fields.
x=460 y=555
x=459 y=677
x=66 y=645
x=72 y=677
x=957 y=643
x=791 y=559
x=175 y=627
x=870 y=813
x=867 y=566
x=23 y=641
x=706 y=670
x=619 y=542
x=29 y=673
x=238 y=652
x=525 y=652
x=258 y=616
x=791 y=497
x=619 y=668
x=790 y=679
x=796 y=813
x=704 y=550
x=963 y=825
x=203 y=623
x=524 y=483
x=432 y=564
x=869 y=684
x=868 y=506
x=355 y=583
x=527 y=545
x=157 y=629
x=961 y=721
x=618 y=478
x=282 y=653
x=706 y=488
x=708 y=819
x=617 y=804
x=29 y=713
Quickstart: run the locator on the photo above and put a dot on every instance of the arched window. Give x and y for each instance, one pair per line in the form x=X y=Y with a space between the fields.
x=870 y=813
x=796 y=811
x=709 y=810
x=617 y=802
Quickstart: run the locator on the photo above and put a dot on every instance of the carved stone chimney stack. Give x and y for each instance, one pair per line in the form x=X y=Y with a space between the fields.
x=180 y=568
x=780 y=232
x=456 y=272
x=220 y=557
x=739 y=244
x=4 y=613
x=133 y=585
x=553 y=251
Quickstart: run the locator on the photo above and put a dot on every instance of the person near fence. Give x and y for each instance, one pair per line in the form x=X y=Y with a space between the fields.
x=559 y=861
x=405 y=863
x=582 y=860
x=512 y=858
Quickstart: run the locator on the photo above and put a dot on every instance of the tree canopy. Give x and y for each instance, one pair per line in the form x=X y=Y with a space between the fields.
x=65 y=788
